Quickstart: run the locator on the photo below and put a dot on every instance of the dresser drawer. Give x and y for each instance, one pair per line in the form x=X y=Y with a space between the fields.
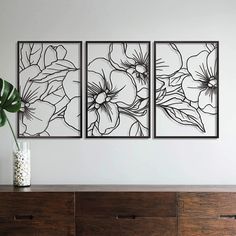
x=207 y=227
x=126 y=203
x=207 y=205
x=141 y=226
x=50 y=206
x=37 y=214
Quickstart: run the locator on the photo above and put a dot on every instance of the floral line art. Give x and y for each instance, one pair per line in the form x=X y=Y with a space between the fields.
x=186 y=89
x=118 y=90
x=186 y=83
x=50 y=87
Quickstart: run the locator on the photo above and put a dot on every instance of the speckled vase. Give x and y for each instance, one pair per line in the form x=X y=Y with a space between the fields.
x=21 y=165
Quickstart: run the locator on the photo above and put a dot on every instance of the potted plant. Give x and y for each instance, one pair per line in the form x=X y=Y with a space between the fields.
x=10 y=101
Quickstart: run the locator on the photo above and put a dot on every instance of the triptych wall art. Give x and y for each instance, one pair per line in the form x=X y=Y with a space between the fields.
x=49 y=81
x=186 y=89
x=118 y=89
x=119 y=84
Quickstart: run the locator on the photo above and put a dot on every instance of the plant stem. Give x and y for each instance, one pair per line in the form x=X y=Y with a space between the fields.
x=17 y=145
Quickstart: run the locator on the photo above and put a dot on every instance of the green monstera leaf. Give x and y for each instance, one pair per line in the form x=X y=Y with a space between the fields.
x=9 y=100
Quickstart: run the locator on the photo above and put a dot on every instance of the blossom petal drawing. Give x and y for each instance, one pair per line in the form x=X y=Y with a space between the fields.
x=53 y=53
x=96 y=84
x=197 y=66
x=72 y=113
x=132 y=58
x=168 y=59
x=54 y=92
x=61 y=52
x=203 y=68
x=143 y=93
x=30 y=54
x=192 y=88
x=102 y=67
x=57 y=70
x=50 y=55
x=212 y=63
x=37 y=117
x=34 y=92
x=137 y=51
x=208 y=101
x=108 y=117
x=123 y=88
x=118 y=56
x=92 y=116
x=71 y=84
x=31 y=91
x=26 y=75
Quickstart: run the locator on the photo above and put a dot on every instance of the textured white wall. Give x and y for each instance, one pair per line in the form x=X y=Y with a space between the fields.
x=118 y=161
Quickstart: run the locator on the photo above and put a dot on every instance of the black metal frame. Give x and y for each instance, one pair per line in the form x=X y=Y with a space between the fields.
x=80 y=43
x=149 y=93
x=154 y=87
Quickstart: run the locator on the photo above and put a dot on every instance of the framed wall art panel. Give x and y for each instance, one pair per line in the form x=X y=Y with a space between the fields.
x=186 y=89
x=49 y=81
x=118 y=89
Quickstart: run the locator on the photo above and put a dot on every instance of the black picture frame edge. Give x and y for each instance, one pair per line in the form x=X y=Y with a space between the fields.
x=86 y=94
x=80 y=43
x=114 y=41
x=154 y=90
x=218 y=91
x=186 y=41
x=154 y=96
x=186 y=137
x=50 y=41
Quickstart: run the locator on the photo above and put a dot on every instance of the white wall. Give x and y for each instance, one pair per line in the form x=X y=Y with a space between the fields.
x=125 y=161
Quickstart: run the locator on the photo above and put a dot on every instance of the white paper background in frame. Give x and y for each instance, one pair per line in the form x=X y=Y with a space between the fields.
x=49 y=81
x=118 y=89
x=186 y=89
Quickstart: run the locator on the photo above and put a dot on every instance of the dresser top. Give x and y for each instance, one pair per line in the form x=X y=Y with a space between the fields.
x=120 y=188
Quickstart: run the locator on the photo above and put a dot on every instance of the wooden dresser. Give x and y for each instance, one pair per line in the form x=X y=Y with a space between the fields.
x=118 y=210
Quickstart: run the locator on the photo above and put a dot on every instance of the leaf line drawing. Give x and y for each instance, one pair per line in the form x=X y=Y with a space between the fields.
x=118 y=90
x=50 y=87
x=186 y=82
